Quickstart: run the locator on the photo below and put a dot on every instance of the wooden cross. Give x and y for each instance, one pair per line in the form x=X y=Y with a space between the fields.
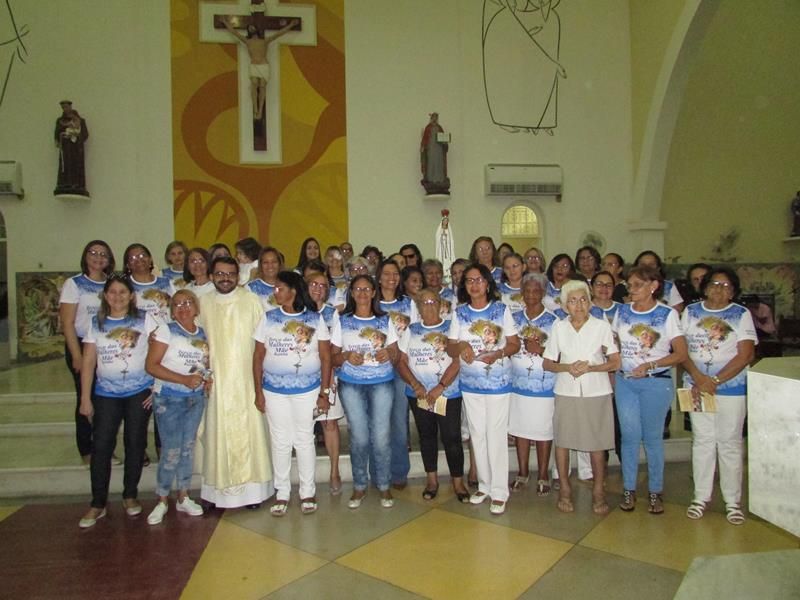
x=299 y=23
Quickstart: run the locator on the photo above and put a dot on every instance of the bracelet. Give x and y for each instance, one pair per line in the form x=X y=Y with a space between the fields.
x=653 y=365
x=715 y=379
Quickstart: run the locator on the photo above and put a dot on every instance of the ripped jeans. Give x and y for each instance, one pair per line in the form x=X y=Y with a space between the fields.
x=178 y=418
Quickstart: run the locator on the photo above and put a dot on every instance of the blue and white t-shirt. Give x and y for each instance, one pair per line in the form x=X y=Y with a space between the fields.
x=176 y=277
x=121 y=347
x=552 y=299
x=186 y=353
x=426 y=349
x=86 y=294
x=512 y=297
x=265 y=293
x=153 y=297
x=497 y=275
x=449 y=303
x=528 y=376
x=712 y=337
x=402 y=312
x=485 y=330
x=291 y=363
x=605 y=313
x=645 y=336
x=364 y=336
x=330 y=315
x=670 y=295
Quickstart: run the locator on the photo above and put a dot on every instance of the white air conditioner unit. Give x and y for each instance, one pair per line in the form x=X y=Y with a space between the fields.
x=11 y=179
x=524 y=180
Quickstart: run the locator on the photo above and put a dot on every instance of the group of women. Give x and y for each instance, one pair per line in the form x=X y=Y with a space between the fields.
x=549 y=353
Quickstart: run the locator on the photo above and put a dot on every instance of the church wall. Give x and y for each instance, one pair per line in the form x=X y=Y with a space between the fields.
x=406 y=60
x=108 y=58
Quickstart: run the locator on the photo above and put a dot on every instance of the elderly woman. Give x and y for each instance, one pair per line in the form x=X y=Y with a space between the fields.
x=197 y=272
x=530 y=416
x=482 y=335
x=178 y=358
x=651 y=342
x=721 y=337
x=116 y=346
x=364 y=349
x=431 y=374
x=433 y=273
x=534 y=261
x=581 y=351
x=79 y=302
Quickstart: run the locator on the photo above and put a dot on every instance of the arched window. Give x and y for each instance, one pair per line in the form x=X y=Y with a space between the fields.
x=520 y=228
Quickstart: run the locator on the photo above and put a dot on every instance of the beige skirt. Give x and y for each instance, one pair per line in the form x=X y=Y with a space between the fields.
x=584 y=423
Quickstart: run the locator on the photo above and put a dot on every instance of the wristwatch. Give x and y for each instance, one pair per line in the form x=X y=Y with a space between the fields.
x=325 y=392
x=715 y=379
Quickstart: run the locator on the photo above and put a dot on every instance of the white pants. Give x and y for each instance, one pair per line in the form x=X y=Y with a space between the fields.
x=715 y=435
x=487 y=415
x=584 y=464
x=291 y=425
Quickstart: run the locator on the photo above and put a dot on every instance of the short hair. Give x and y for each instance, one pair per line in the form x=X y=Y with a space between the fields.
x=314 y=265
x=730 y=274
x=432 y=262
x=249 y=247
x=659 y=262
x=539 y=278
x=596 y=275
x=575 y=285
x=187 y=276
x=491 y=285
x=619 y=258
x=367 y=249
x=225 y=260
x=127 y=253
x=357 y=260
x=694 y=266
x=649 y=274
x=175 y=244
x=183 y=292
x=111 y=262
x=592 y=250
x=267 y=250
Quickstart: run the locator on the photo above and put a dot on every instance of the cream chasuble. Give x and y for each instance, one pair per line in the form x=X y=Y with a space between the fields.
x=234 y=449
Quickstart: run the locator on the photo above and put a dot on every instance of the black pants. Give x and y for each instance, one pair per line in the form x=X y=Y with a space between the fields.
x=83 y=429
x=448 y=427
x=108 y=414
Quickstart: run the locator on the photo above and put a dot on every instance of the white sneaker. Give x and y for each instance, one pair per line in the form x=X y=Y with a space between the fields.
x=190 y=507
x=155 y=517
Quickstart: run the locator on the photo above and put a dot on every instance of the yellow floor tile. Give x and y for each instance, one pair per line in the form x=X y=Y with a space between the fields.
x=671 y=540
x=238 y=563
x=413 y=493
x=489 y=560
x=7 y=511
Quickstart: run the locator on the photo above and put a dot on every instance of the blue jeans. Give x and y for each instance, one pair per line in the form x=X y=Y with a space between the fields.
x=368 y=408
x=178 y=418
x=642 y=405
x=398 y=435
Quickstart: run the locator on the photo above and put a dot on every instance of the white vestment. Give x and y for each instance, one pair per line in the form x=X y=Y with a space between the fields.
x=233 y=452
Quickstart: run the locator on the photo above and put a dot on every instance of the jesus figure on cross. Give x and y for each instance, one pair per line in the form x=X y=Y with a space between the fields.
x=257 y=43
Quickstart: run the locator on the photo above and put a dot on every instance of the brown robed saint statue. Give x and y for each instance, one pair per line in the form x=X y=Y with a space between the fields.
x=257 y=40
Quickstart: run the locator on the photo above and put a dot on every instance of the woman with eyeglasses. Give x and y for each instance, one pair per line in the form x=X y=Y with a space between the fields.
x=484 y=252
x=651 y=343
x=483 y=335
x=291 y=371
x=560 y=270
x=334 y=261
x=511 y=283
x=402 y=312
x=587 y=259
x=197 y=272
x=411 y=254
x=179 y=360
x=364 y=350
x=270 y=263
x=431 y=374
x=603 y=305
x=581 y=352
x=79 y=302
x=116 y=347
x=530 y=417
x=614 y=264
x=721 y=337
x=534 y=261
x=318 y=285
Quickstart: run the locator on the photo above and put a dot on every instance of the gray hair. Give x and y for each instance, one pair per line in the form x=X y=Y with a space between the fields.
x=539 y=278
x=431 y=262
x=575 y=285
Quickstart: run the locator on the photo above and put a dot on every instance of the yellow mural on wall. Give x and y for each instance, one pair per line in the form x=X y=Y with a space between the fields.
x=217 y=199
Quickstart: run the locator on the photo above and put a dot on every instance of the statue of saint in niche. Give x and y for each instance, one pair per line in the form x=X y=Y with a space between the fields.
x=433 y=158
x=70 y=135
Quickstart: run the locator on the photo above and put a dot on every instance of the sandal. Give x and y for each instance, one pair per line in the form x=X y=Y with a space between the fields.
x=520 y=483
x=279 y=508
x=656 y=506
x=463 y=497
x=734 y=514
x=565 y=505
x=628 y=501
x=336 y=486
x=696 y=510
x=308 y=505
x=542 y=489
x=430 y=493
x=600 y=506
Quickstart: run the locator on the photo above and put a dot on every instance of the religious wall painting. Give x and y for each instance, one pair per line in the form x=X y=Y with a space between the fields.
x=217 y=196
x=39 y=332
x=13 y=50
x=521 y=42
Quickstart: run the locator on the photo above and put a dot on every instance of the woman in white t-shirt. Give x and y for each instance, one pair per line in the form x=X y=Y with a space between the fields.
x=178 y=359
x=292 y=371
x=270 y=263
x=197 y=272
x=79 y=302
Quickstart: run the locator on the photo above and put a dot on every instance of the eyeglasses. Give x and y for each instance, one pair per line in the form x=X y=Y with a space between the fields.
x=98 y=253
x=140 y=256
x=724 y=284
x=184 y=304
x=471 y=280
x=430 y=301
x=317 y=285
x=197 y=261
x=533 y=259
x=562 y=267
x=358 y=269
x=600 y=284
x=362 y=289
x=574 y=301
x=226 y=275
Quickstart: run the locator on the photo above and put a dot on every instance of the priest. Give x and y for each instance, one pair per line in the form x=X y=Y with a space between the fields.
x=235 y=462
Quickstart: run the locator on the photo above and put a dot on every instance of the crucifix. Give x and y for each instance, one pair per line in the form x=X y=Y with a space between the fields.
x=267 y=26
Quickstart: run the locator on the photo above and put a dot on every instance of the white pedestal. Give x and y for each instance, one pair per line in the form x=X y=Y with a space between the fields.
x=773 y=408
